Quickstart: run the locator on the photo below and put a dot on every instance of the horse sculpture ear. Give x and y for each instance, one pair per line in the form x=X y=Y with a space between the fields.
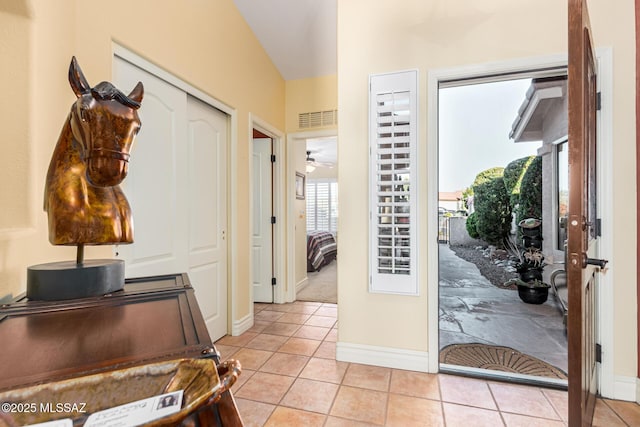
x=78 y=82
x=137 y=93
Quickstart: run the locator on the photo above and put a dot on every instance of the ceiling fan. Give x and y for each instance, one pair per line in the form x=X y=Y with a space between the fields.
x=314 y=164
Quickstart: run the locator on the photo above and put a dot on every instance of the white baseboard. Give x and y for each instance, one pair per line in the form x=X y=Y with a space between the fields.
x=241 y=326
x=301 y=284
x=626 y=388
x=638 y=391
x=383 y=356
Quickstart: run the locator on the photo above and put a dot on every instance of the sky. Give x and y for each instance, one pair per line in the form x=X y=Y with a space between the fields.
x=474 y=125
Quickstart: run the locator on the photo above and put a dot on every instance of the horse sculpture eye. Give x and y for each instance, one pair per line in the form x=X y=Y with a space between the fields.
x=84 y=116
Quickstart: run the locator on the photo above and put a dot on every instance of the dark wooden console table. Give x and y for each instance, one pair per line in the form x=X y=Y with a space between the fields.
x=152 y=319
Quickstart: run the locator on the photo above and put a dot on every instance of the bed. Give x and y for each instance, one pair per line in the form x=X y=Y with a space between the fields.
x=321 y=249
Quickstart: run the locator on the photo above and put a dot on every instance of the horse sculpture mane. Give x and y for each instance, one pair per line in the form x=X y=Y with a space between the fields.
x=83 y=199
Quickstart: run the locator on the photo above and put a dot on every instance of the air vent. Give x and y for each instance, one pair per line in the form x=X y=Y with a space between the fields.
x=316 y=119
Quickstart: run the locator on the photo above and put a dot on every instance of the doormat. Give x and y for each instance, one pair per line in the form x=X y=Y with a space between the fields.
x=498 y=358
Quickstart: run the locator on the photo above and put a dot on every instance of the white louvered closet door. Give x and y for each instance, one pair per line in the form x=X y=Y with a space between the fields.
x=393 y=146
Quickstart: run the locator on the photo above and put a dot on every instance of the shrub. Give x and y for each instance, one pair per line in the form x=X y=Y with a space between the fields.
x=513 y=174
x=471 y=226
x=487 y=175
x=530 y=201
x=492 y=206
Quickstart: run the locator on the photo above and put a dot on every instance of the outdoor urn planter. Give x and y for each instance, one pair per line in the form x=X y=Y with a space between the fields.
x=531 y=288
x=533 y=294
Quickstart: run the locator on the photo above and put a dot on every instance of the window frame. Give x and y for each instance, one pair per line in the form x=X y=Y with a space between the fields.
x=331 y=182
x=558 y=245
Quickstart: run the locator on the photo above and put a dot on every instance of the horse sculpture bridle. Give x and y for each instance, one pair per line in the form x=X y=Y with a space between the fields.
x=108 y=153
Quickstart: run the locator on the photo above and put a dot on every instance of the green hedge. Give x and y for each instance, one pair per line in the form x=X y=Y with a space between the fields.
x=471 y=226
x=513 y=175
x=487 y=175
x=492 y=206
x=530 y=201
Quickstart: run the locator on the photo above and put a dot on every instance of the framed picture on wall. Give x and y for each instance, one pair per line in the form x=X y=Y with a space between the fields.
x=300 y=185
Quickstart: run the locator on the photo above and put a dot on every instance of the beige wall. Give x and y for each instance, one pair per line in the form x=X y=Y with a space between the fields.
x=207 y=44
x=307 y=95
x=303 y=96
x=300 y=220
x=443 y=34
x=30 y=130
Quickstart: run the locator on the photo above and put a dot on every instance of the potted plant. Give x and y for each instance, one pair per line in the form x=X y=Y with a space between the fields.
x=533 y=292
x=530 y=263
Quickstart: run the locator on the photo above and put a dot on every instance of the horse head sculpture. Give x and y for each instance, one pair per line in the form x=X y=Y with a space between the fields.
x=83 y=199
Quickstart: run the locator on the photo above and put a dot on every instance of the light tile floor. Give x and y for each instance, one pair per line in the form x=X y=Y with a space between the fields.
x=290 y=378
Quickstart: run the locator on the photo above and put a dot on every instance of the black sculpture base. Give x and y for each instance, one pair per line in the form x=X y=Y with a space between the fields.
x=68 y=280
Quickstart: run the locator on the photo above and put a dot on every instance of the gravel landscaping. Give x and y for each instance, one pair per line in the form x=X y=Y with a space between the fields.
x=494 y=264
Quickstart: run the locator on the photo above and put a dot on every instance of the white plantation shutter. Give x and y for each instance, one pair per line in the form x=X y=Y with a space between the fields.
x=322 y=205
x=393 y=177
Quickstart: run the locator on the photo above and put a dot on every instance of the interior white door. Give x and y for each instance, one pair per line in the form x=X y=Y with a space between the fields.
x=262 y=238
x=207 y=193
x=177 y=190
x=157 y=177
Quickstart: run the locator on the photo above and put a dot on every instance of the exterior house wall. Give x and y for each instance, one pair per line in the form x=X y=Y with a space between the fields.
x=549 y=120
x=443 y=34
x=555 y=126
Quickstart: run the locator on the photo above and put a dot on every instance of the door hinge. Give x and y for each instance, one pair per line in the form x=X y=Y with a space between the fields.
x=273 y=158
x=598 y=101
x=273 y=281
x=598 y=353
x=273 y=220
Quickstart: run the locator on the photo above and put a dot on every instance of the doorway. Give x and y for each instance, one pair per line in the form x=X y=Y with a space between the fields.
x=268 y=218
x=263 y=278
x=490 y=178
x=502 y=71
x=297 y=206
x=321 y=206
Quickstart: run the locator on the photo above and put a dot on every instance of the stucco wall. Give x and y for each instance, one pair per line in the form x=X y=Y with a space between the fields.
x=458 y=234
x=444 y=34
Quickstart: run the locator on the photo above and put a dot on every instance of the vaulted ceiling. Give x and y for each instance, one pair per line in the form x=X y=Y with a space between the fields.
x=298 y=35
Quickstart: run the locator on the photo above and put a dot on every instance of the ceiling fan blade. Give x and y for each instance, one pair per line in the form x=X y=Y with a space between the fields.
x=321 y=164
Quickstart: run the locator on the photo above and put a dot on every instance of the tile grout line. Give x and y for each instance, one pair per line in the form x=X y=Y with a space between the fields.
x=495 y=402
x=615 y=412
x=444 y=419
x=554 y=407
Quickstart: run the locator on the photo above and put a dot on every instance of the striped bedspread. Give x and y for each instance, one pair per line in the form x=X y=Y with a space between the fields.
x=321 y=249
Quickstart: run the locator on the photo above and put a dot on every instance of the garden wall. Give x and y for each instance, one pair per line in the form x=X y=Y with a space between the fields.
x=458 y=235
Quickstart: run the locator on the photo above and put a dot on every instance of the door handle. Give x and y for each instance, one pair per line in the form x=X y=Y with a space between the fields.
x=593 y=261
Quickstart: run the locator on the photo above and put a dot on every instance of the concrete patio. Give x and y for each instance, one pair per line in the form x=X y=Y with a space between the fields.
x=472 y=310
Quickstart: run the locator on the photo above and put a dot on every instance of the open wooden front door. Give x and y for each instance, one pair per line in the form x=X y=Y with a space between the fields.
x=582 y=222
